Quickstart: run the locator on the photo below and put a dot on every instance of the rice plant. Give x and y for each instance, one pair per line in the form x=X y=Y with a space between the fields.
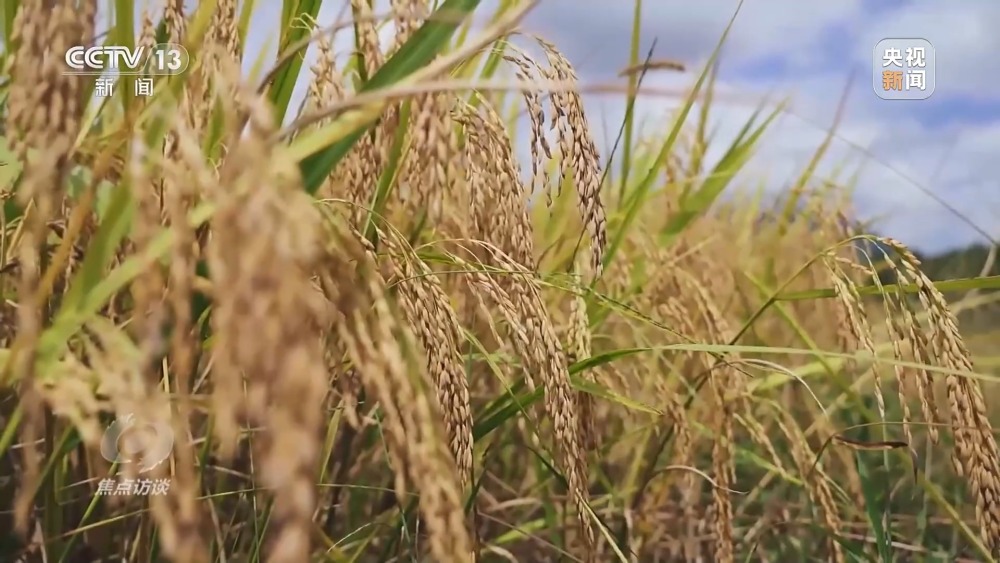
x=365 y=330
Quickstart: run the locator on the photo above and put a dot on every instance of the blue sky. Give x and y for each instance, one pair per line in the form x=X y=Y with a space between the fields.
x=807 y=51
x=946 y=145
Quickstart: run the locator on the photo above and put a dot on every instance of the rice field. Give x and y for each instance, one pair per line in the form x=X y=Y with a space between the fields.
x=367 y=329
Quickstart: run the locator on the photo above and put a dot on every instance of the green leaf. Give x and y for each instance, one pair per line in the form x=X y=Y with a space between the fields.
x=115 y=225
x=161 y=33
x=605 y=358
x=694 y=205
x=600 y=391
x=101 y=250
x=69 y=320
x=507 y=406
x=385 y=184
x=872 y=508
x=8 y=9
x=124 y=35
x=633 y=84
x=419 y=50
x=947 y=286
x=638 y=197
x=244 y=23
x=295 y=14
x=511 y=406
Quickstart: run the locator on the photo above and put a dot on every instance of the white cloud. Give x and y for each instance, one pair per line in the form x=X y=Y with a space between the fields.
x=598 y=31
x=903 y=150
x=964 y=37
x=595 y=34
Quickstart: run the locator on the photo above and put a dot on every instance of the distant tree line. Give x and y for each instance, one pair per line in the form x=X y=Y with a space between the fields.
x=959 y=263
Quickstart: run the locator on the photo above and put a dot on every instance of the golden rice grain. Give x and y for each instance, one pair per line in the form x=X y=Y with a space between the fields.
x=43 y=118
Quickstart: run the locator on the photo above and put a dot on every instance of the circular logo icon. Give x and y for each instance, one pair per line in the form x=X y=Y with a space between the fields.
x=141 y=443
